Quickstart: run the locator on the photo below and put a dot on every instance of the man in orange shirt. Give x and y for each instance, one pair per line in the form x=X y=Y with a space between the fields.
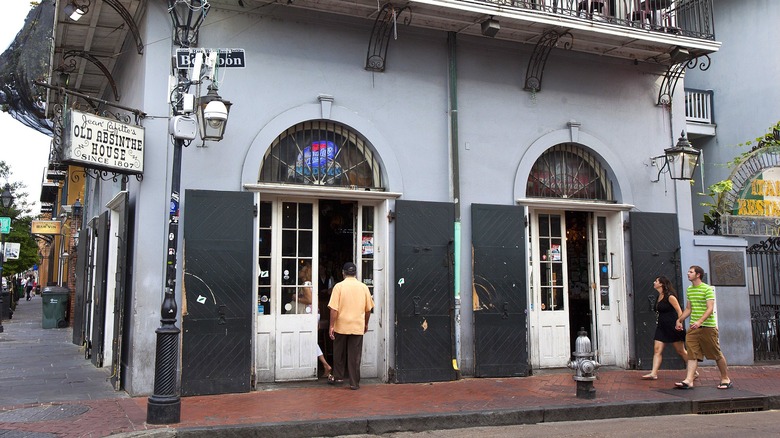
x=350 y=309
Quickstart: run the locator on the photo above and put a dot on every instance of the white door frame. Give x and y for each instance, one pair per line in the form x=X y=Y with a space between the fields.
x=612 y=321
x=375 y=346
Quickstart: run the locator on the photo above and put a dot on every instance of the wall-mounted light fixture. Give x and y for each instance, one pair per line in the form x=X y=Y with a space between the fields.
x=75 y=10
x=490 y=27
x=679 y=161
x=212 y=115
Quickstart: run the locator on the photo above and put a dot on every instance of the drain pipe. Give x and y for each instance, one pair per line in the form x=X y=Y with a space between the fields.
x=453 y=89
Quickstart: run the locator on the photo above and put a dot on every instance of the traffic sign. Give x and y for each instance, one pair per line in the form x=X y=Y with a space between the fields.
x=5 y=224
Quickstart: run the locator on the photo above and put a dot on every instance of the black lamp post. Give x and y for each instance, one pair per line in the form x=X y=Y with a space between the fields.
x=164 y=405
x=7 y=199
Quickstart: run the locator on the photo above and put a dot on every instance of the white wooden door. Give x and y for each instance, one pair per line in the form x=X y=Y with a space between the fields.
x=606 y=288
x=550 y=290
x=370 y=253
x=296 y=309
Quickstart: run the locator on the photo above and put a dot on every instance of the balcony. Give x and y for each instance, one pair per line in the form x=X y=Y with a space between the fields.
x=641 y=30
x=698 y=113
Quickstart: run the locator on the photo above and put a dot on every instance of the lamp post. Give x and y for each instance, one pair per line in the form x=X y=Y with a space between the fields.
x=164 y=405
x=7 y=199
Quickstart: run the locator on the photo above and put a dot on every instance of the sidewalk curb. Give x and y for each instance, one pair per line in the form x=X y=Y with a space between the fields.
x=420 y=423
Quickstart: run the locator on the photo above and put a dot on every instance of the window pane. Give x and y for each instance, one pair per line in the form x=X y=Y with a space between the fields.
x=265 y=214
x=289 y=243
x=304 y=243
x=305 y=216
x=264 y=243
x=289 y=215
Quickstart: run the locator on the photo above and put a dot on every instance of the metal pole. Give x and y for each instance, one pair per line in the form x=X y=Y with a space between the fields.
x=164 y=406
x=2 y=274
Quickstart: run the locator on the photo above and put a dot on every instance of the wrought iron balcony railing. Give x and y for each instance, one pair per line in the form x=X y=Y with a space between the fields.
x=690 y=18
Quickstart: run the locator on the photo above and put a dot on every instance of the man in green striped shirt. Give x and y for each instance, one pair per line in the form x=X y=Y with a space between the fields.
x=702 y=338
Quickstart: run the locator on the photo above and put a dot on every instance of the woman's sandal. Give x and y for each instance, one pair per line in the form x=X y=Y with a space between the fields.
x=649 y=377
x=727 y=385
x=682 y=385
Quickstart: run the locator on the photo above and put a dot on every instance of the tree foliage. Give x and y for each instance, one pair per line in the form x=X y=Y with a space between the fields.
x=21 y=222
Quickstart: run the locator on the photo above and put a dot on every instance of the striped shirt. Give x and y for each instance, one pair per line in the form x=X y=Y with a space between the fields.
x=698 y=296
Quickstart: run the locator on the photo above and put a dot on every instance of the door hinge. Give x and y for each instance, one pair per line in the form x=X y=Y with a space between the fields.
x=254 y=210
x=391 y=216
x=253 y=380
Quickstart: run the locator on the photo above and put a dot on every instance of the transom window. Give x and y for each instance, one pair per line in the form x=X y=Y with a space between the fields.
x=321 y=153
x=570 y=172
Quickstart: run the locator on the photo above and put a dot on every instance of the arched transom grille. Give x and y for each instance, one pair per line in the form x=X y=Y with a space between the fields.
x=321 y=153
x=568 y=171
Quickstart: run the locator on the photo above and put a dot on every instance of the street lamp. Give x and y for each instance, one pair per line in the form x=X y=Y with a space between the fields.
x=164 y=405
x=680 y=160
x=7 y=199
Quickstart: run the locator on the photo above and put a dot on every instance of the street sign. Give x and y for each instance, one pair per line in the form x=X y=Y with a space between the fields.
x=226 y=58
x=5 y=224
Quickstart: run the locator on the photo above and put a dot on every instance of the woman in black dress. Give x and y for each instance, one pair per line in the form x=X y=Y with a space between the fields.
x=668 y=309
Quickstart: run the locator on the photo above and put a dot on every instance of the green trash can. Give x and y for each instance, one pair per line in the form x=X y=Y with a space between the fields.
x=55 y=307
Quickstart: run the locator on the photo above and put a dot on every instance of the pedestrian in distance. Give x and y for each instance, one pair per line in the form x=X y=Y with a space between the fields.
x=668 y=311
x=350 y=310
x=28 y=287
x=702 y=337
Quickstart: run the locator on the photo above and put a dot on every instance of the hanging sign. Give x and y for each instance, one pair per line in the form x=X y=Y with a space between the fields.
x=100 y=143
x=46 y=227
x=5 y=224
x=12 y=250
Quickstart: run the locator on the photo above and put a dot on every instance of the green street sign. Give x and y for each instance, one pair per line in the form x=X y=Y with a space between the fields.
x=5 y=224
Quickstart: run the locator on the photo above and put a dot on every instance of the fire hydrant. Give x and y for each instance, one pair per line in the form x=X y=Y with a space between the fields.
x=584 y=365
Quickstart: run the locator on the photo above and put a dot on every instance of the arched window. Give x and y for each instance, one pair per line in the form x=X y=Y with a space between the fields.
x=321 y=153
x=568 y=171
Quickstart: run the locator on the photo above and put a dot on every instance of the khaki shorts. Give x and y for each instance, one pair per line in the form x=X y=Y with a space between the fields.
x=703 y=342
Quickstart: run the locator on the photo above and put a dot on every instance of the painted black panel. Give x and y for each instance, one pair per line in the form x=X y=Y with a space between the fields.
x=79 y=323
x=424 y=300
x=217 y=289
x=97 y=335
x=499 y=291
x=655 y=250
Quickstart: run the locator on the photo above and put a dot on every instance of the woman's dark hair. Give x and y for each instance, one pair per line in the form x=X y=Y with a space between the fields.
x=667 y=286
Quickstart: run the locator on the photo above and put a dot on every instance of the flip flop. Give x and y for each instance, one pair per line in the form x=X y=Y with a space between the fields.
x=649 y=377
x=682 y=385
x=728 y=385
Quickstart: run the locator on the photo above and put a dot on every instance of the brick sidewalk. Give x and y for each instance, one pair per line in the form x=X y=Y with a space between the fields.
x=63 y=395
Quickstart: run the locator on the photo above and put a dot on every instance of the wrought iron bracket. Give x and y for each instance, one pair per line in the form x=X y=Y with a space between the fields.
x=673 y=74
x=385 y=27
x=125 y=14
x=138 y=113
x=535 y=70
x=89 y=57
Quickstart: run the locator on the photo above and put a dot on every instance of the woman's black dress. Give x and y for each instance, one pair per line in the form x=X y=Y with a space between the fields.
x=667 y=318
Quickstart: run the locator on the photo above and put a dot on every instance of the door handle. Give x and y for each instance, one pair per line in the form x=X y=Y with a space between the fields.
x=416 y=301
x=505 y=310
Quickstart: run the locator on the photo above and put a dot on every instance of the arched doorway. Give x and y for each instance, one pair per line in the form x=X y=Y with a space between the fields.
x=319 y=186
x=575 y=256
